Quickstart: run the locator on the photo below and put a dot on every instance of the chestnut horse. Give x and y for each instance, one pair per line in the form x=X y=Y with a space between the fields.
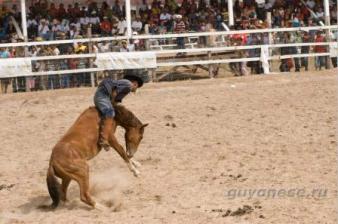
x=69 y=156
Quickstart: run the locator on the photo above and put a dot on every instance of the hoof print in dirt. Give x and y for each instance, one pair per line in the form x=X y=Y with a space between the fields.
x=150 y=160
x=227 y=213
x=217 y=210
x=172 y=125
x=7 y=187
x=211 y=108
x=238 y=177
x=168 y=117
x=246 y=209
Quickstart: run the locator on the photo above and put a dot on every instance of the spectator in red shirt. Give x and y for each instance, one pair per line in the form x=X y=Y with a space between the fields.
x=179 y=27
x=61 y=11
x=53 y=11
x=320 y=60
x=105 y=26
x=76 y=10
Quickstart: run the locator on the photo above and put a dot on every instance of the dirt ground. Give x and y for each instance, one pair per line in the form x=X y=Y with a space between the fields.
x=209 y=143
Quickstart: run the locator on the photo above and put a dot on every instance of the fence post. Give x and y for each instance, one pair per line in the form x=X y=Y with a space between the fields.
x=152 y=75
x=328 y=31
x=146 y=41
x=265 y=59
x=269 y=20
x=210 y=66
x=151 y=71
x=90 y=48
x=16 y=84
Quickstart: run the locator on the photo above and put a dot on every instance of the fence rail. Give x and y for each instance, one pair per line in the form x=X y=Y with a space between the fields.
x=168 y=64
x=161 y=53
x=163 y=36
x=194 y=50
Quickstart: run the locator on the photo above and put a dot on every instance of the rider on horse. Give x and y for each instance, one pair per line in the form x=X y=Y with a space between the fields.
x=108 y=92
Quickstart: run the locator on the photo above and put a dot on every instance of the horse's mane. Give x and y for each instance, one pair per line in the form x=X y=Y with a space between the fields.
x=125 y=117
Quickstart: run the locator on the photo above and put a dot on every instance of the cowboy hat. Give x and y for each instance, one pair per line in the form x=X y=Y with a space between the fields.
x=132 y=77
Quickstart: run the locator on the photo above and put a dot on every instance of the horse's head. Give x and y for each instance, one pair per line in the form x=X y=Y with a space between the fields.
x=133 y=127
x=133 y=137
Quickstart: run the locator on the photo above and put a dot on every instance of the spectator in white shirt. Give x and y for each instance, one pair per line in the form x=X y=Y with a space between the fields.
x=104 y=47
x=94 y=19
x=64 y=27
x=84 y=20
x=56 y=50
x=56 y=28
x=43 y=29
x=122 y=26
x=76 y=23
x=31 y=22
x=124 y=46
x=320 y=14
x=127 y=47
x=165 y=16
x=137 y=24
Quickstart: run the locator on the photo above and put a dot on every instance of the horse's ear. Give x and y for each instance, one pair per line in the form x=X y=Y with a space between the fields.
x=144 y=125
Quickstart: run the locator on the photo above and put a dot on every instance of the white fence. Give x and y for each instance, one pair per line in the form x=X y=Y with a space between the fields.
x=158 y=54
x=168 y=64
x=163 y=36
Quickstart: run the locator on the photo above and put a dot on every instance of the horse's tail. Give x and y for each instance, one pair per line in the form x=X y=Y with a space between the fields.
x=54 y=187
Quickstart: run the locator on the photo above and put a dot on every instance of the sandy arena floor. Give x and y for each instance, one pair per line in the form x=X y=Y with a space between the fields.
x=273 y=136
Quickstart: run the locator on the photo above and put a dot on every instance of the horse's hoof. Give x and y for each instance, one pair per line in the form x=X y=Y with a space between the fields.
x=135 y=163
x=136 y=173
x=100 y=207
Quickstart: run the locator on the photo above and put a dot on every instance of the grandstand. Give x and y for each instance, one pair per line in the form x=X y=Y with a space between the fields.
x=63 y=44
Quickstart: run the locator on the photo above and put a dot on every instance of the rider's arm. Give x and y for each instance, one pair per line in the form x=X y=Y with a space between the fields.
x=123 y=88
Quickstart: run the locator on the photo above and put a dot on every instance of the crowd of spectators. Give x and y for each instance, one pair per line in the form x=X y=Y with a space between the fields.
x=34 y=83
x=45 y=82
x=49 y=21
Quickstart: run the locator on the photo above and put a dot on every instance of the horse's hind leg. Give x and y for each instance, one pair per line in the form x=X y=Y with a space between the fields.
x=64 y=187
x=84 y=192
x=82 y=178
x=78 y=171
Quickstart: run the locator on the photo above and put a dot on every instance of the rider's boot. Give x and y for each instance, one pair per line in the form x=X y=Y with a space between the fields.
x=106 y=131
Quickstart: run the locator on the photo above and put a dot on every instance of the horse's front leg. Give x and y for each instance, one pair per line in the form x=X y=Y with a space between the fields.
x=135 y=163
x=120 y=150
x=133 y=169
